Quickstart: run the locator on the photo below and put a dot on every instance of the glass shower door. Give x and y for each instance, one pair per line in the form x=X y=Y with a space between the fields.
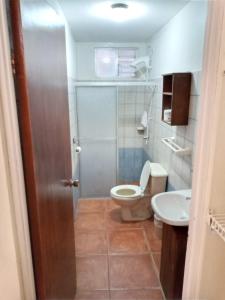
x=97 y=124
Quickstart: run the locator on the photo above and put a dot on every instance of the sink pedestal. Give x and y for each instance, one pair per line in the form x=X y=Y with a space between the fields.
x=174 y=244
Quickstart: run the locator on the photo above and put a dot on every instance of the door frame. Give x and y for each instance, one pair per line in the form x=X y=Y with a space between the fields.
x=14 y=160
x=213 y=70
x=207 y=140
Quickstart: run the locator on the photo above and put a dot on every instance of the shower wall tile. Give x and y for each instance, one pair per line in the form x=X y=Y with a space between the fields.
x=194 y=107
x=130 y=143
x=196 y=83
x=180 y=169
x=132 y=102
x=130 y=164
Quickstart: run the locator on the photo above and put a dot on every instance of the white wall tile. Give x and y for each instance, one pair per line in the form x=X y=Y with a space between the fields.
x=194 y=105
x=196 y=83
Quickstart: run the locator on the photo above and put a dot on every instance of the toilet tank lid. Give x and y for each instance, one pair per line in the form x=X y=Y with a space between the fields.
x=157 y=170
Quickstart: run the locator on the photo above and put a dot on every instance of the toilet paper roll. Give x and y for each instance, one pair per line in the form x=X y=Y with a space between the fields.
x=78 y=149
x=167 y=115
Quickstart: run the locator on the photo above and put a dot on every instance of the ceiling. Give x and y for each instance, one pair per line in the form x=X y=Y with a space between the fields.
x=87 y=27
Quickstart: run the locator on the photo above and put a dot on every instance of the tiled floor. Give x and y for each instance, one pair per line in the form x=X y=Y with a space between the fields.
x=115 y=260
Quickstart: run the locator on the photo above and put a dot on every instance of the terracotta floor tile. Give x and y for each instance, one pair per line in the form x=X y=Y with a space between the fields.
x=155 y=242
x=130 y=272
x=92 y=295
x=127 y=241
x=92 y=205
x=91 y=242
x=92 y=272
x=155 y=245
x=111 y=205
x=150 y=229
x=154 y=294
x=114 y=220
x=90 y=221
x=157 y=260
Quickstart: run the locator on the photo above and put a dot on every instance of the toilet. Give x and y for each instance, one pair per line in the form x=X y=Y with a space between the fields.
x=135 y=200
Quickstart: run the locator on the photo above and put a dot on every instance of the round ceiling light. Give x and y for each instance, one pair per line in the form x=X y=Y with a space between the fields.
x=119 y=6
x=118 y=12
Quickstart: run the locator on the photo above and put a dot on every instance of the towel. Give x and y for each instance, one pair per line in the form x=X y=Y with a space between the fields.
x=144 y=119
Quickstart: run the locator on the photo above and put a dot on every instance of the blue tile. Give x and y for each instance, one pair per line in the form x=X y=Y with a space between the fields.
x=131 y=161
x=169 y=187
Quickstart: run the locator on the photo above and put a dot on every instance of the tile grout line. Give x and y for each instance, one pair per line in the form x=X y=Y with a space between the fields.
x=107 y=230
x=154 y=265
x=107 y=241
x=146 y=240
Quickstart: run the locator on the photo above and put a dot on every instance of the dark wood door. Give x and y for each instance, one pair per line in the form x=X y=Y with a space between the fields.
x=42 y=98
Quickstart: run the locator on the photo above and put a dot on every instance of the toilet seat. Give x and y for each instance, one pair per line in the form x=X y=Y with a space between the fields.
x=134 y=200
x=127 y=192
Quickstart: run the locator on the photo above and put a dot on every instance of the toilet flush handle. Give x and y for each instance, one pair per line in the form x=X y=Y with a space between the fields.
x=72 y=183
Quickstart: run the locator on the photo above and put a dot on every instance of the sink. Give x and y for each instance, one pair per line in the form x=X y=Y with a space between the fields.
x=173 y=207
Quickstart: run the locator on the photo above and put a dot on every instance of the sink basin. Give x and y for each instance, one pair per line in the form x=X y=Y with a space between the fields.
x=173 y=207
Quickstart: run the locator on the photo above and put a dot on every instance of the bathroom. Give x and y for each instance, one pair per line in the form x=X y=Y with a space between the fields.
x=133 y=77
x=116 y=121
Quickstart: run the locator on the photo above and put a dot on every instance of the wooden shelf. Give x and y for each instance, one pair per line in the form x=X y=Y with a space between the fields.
x=176 y=96
x=168 y=94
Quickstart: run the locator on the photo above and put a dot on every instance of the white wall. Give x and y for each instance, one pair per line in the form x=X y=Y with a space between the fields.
x=70 y=53
x=178 y=46
x=71 y=76
x=10 y=277
x=85 y=57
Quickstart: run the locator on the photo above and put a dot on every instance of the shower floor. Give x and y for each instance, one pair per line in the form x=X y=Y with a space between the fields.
x=115 y=260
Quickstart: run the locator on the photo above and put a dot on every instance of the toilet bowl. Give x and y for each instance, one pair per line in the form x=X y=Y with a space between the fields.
x=135 y=200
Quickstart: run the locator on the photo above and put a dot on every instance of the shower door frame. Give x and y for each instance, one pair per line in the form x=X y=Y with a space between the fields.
x=14 y=178
x=116 y=85
x=87 y=85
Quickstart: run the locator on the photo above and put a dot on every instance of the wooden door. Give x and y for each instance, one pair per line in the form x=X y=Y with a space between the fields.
x=42 y=98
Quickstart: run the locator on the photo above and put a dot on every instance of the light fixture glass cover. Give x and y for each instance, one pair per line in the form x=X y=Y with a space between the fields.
x=118 y=12
x=119 y=5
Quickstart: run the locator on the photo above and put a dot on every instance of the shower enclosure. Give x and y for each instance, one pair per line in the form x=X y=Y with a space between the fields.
x=112 y=148
x=97 y=127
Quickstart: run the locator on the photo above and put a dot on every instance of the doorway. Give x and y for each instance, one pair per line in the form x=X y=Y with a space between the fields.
x=87 y=141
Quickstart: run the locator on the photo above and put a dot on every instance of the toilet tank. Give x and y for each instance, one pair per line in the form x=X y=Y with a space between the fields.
x=158 y=179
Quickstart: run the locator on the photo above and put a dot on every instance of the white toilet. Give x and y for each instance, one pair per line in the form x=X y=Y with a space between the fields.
x=135 y=200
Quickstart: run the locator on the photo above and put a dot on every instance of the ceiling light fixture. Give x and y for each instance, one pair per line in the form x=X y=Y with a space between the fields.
x=119 y=6
x=118 y=12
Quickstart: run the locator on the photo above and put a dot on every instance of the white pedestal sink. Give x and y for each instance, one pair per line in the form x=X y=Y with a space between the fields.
x=173 y=207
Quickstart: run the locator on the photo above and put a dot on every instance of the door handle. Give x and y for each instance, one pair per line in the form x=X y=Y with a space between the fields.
x=72 y=183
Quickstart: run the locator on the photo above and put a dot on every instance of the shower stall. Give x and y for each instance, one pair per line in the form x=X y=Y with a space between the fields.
x=112 y=148
x=97 y=128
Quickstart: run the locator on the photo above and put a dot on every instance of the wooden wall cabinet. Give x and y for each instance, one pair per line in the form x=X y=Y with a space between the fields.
x=176 y=97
